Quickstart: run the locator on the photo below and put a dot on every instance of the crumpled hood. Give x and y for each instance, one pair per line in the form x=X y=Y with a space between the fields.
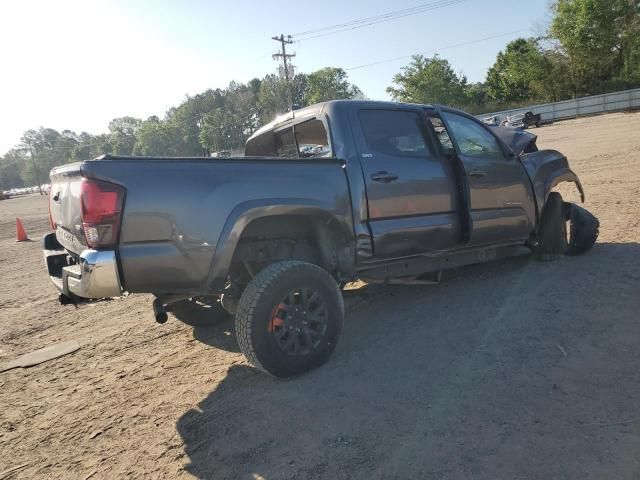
x=517 y=139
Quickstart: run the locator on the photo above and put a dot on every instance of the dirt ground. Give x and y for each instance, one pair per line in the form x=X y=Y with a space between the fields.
x=512 y=370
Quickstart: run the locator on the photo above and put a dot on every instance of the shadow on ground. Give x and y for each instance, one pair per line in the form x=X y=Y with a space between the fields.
x=212 y=325
x=517 y=370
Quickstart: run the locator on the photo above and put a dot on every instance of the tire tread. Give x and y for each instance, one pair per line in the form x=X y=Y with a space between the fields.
x=552 y=234
x=263 y=282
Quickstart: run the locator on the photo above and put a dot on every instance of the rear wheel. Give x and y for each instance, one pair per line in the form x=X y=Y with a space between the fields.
x=552 y=234
x=289 y=318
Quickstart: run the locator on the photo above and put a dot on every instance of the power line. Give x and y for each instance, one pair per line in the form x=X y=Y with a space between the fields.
x=373 y=20
x=435 y=50
x=384 y=16
x=265 y=55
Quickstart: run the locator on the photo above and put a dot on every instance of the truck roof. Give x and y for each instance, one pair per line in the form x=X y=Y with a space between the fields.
x=314 y=109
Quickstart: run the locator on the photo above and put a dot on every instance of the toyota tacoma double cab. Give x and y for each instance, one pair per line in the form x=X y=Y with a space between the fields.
x=383 y=192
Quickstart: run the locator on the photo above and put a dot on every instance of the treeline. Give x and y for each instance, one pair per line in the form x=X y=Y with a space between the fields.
x=212 y=121
x=591 y=47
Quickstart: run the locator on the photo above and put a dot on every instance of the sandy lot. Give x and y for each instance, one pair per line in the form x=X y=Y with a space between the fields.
x=513 y=370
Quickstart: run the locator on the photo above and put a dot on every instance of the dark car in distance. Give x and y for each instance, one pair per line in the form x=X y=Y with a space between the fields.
x=524 y=120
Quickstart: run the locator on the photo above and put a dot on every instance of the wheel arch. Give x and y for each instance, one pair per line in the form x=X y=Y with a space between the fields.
x=560 y=176
x=330 y=229
x=546 y=169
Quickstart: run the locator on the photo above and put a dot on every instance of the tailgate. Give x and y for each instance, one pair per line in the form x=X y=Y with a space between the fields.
x=64 y=204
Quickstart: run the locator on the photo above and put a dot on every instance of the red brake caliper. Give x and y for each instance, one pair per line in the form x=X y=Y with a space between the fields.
x=277 y=321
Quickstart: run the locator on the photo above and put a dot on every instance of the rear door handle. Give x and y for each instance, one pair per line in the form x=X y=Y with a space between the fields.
x=476 y=173
x=383 y=177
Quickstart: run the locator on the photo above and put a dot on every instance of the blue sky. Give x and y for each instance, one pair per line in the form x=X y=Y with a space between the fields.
x=77 y=64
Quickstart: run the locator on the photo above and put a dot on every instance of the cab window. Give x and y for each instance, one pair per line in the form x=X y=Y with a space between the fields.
x=285 y=144
x=313 y=140
x=393 y=132
x=441 y=133
x=473 y=139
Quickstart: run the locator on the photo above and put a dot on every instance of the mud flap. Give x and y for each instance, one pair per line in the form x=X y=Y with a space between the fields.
x=583 y=229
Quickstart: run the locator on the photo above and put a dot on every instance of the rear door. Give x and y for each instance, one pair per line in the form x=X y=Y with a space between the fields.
x=500 y=200
x=411 y=189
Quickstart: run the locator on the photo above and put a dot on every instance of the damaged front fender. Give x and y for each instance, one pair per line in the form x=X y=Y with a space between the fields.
x=565 y=175
x=546 y=169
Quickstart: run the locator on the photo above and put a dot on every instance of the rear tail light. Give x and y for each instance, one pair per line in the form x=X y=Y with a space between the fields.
x=101 y=212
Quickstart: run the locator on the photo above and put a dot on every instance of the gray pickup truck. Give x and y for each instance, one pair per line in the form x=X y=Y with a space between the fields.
x=344 y=190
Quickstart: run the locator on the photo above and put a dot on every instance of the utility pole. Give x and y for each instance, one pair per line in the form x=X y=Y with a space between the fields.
x=285 y=60
x=283 y=54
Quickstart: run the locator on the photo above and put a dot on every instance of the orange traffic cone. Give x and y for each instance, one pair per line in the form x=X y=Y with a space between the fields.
x=21 y=235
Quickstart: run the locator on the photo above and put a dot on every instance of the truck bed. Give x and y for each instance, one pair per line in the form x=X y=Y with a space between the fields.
x=178 y=212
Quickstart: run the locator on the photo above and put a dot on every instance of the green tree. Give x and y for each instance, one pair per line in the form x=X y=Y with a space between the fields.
x=44 y=149
x=551 y=79
x=429 y=80
x=525 y=72
x=477 y=94
x=91 y=146
x=601 y=39
x=122 y=134
x=628 y=26
x=273 y=96
x=228 y=126
x=329 y=83
x=509 y=79
x=184 y=122
x=155 y=138
x=220 y=132
x=10 y=169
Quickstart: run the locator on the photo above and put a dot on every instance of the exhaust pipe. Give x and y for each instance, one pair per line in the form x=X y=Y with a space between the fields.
x=162 y=305
x=159 y=313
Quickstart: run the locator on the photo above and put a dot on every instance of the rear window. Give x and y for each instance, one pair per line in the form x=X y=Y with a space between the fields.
x=285 y=145
x=311 y=140
x=393 y=132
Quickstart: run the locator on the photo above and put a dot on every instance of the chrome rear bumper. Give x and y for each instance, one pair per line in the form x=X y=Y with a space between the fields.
x=95 y=275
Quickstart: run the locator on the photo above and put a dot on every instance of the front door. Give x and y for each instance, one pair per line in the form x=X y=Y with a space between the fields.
x=501 y=202
x=411 y=188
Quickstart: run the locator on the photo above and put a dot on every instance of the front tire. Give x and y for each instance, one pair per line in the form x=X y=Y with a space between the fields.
x=552 y=234
x=289 y=318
